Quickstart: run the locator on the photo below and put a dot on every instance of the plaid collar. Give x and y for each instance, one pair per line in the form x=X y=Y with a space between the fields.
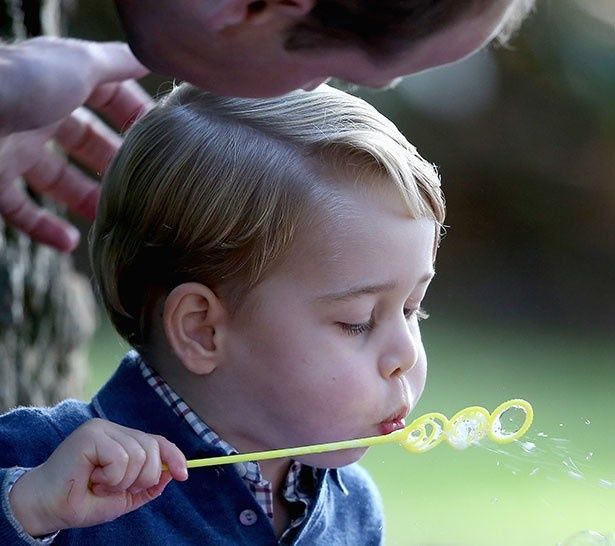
x=301 y=481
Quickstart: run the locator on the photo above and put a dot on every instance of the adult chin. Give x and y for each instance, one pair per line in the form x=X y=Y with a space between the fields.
x=144 y=39
x=159 y=38
x=181 y=43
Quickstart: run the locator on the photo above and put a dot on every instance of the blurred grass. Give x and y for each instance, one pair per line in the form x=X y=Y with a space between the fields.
x=479 y=497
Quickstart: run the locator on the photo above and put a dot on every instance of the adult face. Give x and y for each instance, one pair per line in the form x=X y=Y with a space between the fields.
x=236 y=47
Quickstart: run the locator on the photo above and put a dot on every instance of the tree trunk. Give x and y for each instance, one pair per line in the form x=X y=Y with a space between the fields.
x=46 y=308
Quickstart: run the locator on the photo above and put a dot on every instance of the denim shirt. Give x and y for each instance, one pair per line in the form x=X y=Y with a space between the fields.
x=213 y=507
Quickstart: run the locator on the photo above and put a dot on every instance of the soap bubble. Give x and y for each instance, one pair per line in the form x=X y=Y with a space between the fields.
x=587 y=538
x=467 y=427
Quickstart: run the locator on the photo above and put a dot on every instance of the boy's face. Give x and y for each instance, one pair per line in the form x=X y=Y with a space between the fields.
x=328 y=346
x=186 y=40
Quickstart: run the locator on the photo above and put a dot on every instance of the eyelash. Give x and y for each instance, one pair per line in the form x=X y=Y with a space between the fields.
x=363 y=327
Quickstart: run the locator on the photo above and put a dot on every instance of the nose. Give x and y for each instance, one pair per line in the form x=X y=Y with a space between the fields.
x=400 y=350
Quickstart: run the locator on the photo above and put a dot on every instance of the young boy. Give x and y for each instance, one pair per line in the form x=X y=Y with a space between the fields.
x=267 y=260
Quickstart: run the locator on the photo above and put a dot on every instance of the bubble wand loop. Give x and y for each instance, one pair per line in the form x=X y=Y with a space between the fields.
x=466 y=427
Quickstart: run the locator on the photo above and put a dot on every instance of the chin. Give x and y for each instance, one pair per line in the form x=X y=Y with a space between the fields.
x=333 y=459
x=250 y=89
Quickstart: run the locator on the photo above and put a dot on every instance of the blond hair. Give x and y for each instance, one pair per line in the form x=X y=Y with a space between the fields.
x=213 y=189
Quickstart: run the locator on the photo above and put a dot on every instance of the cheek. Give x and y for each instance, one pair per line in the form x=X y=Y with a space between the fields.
x=318 y=375
x=417 y=376
x=295 y=344
x=282 y=353
x=334 y=408
x=309 y=366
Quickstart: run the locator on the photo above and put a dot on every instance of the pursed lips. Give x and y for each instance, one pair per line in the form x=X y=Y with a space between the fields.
x=395 y=421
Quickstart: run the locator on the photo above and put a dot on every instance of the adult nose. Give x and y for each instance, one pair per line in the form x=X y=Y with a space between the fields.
x=401 y=349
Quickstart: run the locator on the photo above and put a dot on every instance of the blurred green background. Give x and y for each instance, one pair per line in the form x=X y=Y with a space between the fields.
x=523 y=304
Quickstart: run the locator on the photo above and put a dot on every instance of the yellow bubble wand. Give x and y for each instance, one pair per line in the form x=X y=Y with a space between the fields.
x=465 y=428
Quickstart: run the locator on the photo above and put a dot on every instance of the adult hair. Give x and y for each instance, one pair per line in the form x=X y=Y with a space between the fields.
x=213 y=190
x=383 y=27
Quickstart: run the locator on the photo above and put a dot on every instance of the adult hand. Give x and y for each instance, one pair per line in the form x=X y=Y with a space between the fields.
x=43 y=84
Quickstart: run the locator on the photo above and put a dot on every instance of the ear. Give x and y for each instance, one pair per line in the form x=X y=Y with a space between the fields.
x=230 y=13
x=193 y=319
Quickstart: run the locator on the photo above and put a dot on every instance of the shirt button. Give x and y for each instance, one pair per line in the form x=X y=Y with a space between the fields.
x=248 y=517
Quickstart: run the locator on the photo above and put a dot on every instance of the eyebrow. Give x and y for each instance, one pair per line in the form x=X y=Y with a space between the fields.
x=357 y=291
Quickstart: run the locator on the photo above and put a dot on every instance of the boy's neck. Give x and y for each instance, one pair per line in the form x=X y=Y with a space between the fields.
x=275 y=471
x=202 y=395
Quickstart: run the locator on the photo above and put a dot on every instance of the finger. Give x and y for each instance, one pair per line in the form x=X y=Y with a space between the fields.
x=120 y=102
x=53 y=176
x=88 y=140
x=127 y=502
x=137 y=458
x=109 y=504
x=139 y=499
x=152 y=468
x=157 y=489
x=173 y=458
x=19 y=211
x=20 y=151
x=110 y=460
x=115 y=62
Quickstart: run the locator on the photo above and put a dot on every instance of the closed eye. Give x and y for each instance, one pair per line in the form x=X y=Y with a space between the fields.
x=355 y=329
x=419 y=313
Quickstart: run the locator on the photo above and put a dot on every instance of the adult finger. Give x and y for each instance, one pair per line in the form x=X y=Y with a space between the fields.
x=88 y=140
x=120 y=102
x=19 y=211
x=55 y=177
x=20 y=151
x=115 y=62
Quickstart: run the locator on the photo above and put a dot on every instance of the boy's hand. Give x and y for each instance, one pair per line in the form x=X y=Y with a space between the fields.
x=100 y=472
